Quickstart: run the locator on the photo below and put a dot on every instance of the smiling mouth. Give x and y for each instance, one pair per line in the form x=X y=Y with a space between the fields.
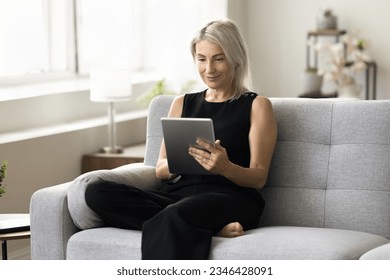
x=212 y=78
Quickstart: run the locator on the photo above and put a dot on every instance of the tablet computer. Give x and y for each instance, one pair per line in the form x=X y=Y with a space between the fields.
x=181 y=133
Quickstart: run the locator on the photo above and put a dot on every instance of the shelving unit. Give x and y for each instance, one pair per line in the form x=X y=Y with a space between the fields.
x=370 y=72
x=336 y=34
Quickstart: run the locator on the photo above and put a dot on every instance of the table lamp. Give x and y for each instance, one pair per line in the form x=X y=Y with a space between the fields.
x=110 y=85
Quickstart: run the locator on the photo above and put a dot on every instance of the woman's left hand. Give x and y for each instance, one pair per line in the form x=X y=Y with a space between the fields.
x=212 y=158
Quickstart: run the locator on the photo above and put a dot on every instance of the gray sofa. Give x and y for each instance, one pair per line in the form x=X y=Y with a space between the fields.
x=327 y=195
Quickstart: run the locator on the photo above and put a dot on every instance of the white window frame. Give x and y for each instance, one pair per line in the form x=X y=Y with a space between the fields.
x=71 y=58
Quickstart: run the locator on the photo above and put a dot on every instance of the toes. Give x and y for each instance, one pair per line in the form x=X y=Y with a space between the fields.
x=231 y=230
x=236 y=227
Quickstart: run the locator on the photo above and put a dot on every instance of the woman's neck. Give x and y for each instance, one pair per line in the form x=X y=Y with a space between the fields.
x=217 y=95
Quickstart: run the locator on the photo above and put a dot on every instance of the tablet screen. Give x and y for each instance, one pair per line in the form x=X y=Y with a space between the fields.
x=179 y=135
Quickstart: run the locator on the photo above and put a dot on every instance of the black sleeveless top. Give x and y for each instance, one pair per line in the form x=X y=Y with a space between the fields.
x=231 y=126
x=231 y=122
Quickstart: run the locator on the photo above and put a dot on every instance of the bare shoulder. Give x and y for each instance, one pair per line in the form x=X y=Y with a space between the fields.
x=179 y=98
x=176 y=106
x=262 y=105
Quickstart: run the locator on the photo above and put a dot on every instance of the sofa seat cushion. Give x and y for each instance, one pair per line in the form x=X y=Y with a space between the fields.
x=278 y=243
x=300 y=243
x=379 y=253
x=104 y=243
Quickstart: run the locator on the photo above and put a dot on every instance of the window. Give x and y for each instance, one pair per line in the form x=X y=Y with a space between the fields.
x=42 y=38
x=36 y=38
x=144 y=35
x=109 y=31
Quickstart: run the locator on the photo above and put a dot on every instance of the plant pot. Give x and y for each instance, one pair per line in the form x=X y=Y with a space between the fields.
x=349 y=91
x=311 y=82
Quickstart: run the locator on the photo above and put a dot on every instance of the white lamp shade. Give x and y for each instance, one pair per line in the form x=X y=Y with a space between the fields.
x=110 y=84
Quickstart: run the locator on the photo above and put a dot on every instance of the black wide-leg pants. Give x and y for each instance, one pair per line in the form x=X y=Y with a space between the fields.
x=175 y=225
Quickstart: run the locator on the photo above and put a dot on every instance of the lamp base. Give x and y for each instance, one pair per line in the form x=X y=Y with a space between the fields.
x=112 y=150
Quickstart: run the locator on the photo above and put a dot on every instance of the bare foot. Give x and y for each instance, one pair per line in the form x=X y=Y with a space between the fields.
x=231 y=230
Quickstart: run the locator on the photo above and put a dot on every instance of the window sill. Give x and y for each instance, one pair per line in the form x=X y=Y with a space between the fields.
x=48 y=108
x=69 y=127
x=70 y=84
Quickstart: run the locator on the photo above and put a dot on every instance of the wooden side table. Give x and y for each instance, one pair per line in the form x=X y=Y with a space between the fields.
x=12 y=227
x=96 y=161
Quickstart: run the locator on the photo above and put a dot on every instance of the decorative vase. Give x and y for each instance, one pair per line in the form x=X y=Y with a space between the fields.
x=326 y=20
x=349 y=91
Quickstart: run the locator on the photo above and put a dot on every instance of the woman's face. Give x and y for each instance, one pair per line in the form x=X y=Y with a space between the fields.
x=213 y=66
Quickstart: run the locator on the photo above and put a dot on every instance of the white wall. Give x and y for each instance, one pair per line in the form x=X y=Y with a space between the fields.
x=277 y=39
x=238 y=11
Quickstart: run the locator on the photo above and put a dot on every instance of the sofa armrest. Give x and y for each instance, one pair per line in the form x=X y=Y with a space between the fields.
x=51 y=224
x=136 y=174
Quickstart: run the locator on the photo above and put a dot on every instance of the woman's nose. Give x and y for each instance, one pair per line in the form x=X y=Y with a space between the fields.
x=210 y=67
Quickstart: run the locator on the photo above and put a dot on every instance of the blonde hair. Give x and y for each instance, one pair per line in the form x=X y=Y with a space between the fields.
x=226 y=34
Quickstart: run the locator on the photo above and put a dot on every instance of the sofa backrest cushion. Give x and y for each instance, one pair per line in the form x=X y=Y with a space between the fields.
x=358 y=189
x=331 y=166
x=297 y=180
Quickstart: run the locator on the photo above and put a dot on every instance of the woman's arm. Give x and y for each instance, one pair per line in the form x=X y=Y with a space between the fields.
x=162 y=171
x=262 y=140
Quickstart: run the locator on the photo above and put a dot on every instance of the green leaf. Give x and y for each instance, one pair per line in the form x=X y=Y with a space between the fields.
x=3 y=174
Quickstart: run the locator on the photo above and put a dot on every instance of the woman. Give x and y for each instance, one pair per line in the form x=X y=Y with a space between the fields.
x=179 y=220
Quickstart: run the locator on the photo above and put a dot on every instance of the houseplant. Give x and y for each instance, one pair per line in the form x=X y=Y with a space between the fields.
x=341 y=62
x=3 y=174
x=161 y=87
